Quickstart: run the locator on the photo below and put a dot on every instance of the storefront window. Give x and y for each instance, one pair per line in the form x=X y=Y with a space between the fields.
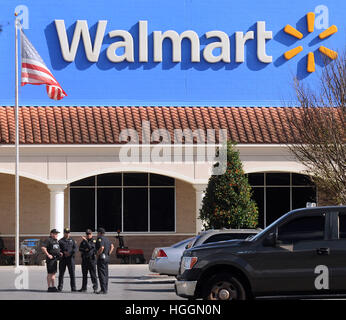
x=277 y=179
x=258 y=196
x=277 y=202
x=130 y=202
x=135 y=179
x=256 y=179
x=82 y=205
x=161 y=209
x=109 y=179
x=90 y=181
x=136 y=209
x=277 y=193
x=109 y=213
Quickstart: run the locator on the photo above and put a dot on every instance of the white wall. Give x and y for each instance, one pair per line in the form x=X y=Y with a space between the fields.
x=59 y=164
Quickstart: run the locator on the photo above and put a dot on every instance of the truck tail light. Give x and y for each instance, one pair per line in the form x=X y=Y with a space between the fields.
x=161 y=254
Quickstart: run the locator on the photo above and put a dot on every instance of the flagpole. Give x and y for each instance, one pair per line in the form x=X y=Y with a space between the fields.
x=17 y=148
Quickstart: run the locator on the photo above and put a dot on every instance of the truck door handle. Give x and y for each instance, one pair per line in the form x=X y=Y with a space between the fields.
x=323 y=251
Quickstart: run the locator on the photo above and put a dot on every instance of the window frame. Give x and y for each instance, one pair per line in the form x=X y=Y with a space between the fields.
x=122 y=187
x=290 y=186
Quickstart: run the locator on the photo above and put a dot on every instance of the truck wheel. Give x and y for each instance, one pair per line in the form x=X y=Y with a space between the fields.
x=224 y=286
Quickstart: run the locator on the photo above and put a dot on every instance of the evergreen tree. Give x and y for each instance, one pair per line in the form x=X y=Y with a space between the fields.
x=227 y=202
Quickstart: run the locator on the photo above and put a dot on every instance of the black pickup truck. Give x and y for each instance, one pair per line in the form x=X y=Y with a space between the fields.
x=303 y=253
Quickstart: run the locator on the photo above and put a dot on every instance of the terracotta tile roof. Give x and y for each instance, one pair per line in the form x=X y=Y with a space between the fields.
x=102 y=125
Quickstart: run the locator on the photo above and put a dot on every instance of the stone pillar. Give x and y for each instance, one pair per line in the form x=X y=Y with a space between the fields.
x=200 y=189
x=57 y=206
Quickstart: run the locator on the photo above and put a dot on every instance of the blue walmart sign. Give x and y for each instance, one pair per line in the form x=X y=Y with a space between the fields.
x=184 y=53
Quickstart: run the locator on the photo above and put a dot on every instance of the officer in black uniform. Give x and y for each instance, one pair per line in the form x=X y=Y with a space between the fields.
x=2 y=246
x=51 y=249
x=68 y=247
x=88 y=250
x=104 y=249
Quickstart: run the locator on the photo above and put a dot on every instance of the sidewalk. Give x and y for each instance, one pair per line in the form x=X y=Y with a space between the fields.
x=126 y=282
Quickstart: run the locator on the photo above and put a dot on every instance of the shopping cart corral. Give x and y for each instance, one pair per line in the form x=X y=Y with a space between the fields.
x=30 y=252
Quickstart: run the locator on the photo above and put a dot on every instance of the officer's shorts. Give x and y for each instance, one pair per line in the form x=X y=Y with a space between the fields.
x=52 y=266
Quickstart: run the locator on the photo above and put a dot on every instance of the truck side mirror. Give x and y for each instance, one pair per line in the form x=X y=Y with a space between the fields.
x=270 y=240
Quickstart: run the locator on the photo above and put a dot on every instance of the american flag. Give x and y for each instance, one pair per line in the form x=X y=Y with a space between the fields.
x=34 y=70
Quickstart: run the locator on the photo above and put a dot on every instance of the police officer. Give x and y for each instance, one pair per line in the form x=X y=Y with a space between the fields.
x=51 y=249
x=104 y=249
x=68 y=248
x=2 y=246
x=88 y=250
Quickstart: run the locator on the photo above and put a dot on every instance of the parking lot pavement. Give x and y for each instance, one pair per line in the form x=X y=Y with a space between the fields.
x=126 y=282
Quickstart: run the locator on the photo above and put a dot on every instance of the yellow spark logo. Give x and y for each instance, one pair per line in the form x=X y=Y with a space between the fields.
x=310 y=17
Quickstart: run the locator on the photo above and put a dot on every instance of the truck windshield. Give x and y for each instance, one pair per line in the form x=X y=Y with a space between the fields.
x=249 y=237
x=258 y=235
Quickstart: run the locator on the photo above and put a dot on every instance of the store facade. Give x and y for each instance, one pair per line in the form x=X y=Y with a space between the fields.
x=75 y=166
x=86 y=185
